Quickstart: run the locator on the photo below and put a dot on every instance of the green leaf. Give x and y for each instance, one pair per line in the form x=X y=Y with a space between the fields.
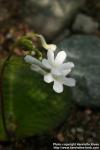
x=31 y=105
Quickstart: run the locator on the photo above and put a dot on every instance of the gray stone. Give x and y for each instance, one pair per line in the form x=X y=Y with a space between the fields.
x=85 y=24
x=84 y=51
x=47 y=17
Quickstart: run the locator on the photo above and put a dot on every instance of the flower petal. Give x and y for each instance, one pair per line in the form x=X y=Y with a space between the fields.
x=46 y=63
x=58 y=87
x=69 y=82
x=50 y=56
x=38 y=69
x=61 y=56
x=66 y=72
x=67 y=65
x=48 y=78
x=56 y=72
x=66 y=68
x=59 y=72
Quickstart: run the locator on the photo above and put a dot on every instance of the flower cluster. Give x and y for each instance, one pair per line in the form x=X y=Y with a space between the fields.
x=54 y=69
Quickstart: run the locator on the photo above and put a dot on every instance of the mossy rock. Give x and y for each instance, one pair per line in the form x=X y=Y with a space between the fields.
x=31 y=105
x=84 y=52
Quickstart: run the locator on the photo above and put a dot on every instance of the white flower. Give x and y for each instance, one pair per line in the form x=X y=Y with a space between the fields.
x=53 y=69
x=58 y=71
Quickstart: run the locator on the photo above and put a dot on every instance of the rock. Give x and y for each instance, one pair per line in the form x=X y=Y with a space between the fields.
x=47 y=17
x=86 y=24
x=84 y=51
